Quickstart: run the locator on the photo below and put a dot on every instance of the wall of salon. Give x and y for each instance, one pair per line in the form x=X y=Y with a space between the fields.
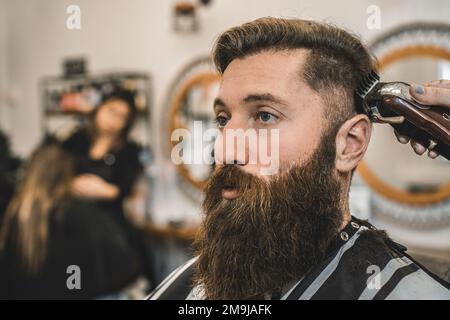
x=138 y=35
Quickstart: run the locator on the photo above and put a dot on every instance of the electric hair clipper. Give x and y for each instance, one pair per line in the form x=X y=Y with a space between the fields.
x=391 y=102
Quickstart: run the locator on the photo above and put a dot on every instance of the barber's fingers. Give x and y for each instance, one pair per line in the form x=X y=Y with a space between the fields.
x=433 y=154
x=418 y=148
x=439 y=84
x=401 y=138
x=431 y=95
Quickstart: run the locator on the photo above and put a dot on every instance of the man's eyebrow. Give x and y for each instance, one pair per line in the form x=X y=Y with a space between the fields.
x=264 y=97
x=218 y=103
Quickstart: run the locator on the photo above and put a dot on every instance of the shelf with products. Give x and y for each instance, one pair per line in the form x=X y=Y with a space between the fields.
x=67 y=103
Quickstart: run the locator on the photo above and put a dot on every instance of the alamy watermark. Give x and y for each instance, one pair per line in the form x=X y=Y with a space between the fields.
x=73 y=21
x=230 y=146
x=73 y=281
x=374 y=280
x=373 y=21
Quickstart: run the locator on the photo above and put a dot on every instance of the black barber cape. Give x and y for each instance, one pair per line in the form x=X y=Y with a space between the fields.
x=364 y=264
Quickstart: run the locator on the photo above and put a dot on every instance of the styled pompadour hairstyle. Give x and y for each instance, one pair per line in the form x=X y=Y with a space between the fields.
x=336 y=63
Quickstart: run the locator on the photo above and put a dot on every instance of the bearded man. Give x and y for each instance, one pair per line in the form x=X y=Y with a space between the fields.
x=290 y=235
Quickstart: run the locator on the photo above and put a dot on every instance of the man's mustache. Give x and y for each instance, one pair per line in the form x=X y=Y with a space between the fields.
x=231 y=176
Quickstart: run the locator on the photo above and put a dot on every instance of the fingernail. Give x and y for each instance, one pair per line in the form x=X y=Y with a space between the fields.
x=433 y=154
x=419 y=89
x=403 y=139
x=420 y=149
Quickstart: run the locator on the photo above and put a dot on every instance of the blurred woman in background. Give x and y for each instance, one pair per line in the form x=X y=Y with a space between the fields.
x=45 y=231
x=107 y=163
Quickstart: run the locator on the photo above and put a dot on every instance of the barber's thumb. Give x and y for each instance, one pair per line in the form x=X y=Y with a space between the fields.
x=430 y=95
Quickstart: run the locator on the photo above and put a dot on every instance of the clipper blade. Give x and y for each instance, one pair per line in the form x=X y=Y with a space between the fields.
x=367 y=84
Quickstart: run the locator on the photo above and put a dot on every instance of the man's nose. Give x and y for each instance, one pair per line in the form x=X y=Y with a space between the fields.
x=231 y=146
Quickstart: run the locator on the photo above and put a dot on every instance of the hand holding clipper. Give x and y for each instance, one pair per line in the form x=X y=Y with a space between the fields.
x=392 y=103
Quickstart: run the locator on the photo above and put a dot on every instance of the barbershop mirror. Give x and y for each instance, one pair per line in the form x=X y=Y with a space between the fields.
x=415 y=53
x=191 y=128
x=397 y=165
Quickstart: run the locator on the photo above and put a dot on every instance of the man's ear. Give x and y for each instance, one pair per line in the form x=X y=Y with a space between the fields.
x=352 y=141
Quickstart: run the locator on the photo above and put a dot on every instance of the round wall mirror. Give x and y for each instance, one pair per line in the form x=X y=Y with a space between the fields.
x=389 y=168
x=190 y=108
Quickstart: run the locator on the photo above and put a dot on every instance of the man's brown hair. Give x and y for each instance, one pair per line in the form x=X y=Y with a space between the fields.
x=336 y=64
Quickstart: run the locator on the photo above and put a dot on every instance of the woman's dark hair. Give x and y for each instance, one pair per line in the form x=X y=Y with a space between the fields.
x=123 y=95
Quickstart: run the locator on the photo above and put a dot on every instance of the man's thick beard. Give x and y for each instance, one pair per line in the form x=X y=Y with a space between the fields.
x=273 y=233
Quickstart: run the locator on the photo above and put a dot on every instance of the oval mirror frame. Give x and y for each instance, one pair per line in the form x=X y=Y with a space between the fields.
x=389 y=57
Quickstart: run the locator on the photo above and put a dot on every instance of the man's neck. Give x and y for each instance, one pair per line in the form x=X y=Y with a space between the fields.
x=347 y=217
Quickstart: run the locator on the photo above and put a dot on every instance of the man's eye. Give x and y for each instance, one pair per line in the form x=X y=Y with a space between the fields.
x=221 y=121
x=266 y=117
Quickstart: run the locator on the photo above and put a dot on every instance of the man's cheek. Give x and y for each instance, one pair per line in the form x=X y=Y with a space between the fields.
x=267 y=151
x=296 y=148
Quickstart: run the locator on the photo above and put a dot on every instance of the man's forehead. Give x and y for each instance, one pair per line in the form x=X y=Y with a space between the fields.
x=266 y=71
x=267 y=63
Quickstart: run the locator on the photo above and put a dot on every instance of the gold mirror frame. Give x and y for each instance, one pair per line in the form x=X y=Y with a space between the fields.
x=375 y=183
x=202 y=79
